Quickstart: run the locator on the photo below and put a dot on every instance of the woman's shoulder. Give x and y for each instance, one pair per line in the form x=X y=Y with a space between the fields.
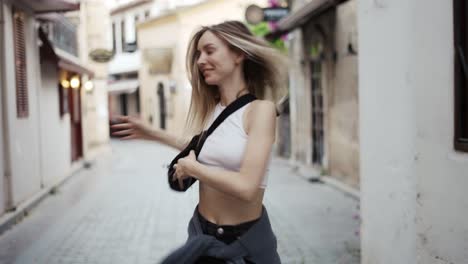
x=260 y=110
x=262 y=107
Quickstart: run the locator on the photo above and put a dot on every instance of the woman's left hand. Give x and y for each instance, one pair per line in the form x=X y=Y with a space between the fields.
x=183 y=168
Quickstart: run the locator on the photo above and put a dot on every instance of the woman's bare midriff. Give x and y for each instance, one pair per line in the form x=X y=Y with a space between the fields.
x=223 y=209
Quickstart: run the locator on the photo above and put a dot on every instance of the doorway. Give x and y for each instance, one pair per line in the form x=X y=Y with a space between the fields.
x=162 y=105
x=317 y=112
x=74 y=102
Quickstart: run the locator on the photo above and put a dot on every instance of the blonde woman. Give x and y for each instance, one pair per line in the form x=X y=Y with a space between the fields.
x=230 y=223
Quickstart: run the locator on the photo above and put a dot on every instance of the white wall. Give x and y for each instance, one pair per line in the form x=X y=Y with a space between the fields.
x=24 y=138
x=413 y=184
x=55 y=131
x=442 y=172
x=2 y=169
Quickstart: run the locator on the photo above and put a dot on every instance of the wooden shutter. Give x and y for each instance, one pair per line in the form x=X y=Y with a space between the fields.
x=22 y=106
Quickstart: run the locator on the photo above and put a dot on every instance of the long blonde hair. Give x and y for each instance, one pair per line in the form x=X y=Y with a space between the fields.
x=264 y=70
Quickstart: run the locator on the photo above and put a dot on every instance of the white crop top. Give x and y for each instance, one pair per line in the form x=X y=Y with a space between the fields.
x=225 y=147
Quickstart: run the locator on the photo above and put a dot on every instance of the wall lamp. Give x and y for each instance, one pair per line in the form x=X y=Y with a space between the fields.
x=65 y=83
x=89 y=86
x=75 y=82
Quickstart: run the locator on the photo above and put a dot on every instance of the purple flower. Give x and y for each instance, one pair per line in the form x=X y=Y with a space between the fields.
x=274 y=3
x=272 y=25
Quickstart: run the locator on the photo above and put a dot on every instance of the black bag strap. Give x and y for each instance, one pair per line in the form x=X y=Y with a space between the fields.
x=198 y=141
x=231 y=108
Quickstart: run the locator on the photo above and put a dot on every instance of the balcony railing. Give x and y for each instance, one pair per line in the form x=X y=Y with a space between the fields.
x=63 y=34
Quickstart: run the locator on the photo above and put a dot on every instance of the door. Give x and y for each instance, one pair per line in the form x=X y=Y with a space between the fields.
x=74 y=102
x=284 y=144
x=123 y=104
x=162 y=106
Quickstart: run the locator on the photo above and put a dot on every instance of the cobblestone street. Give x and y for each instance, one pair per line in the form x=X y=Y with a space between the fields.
x=122 y=211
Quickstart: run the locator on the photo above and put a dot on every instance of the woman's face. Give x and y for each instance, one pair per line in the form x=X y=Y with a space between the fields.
x=216 y=60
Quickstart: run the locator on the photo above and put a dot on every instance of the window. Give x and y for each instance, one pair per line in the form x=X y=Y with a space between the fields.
x=318 y=143
x=122 y=32
x=22 y=105
x=136 y=31
x=461 y=75
x=113 y=38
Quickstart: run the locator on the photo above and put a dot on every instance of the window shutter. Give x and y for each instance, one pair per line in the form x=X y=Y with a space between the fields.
x=22 y=106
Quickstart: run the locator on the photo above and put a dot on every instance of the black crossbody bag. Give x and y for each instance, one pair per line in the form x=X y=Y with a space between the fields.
x=197 y=141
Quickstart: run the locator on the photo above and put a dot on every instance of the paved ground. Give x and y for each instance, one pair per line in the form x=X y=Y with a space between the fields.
x=121 y=211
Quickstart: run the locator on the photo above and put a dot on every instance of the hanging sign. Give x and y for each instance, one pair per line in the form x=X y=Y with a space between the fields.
x=101 y=55
x=255 y=14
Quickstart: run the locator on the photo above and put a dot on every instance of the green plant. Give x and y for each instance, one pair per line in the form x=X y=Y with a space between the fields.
x=323 y=172
x=262 y=29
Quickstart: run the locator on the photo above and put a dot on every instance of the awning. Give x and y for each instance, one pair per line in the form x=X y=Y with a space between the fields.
x=72 y=66
x=52 y=17
x=159 y=60
x=47 y=6
x=127 y=86
x=302 y=15
x=64 y=60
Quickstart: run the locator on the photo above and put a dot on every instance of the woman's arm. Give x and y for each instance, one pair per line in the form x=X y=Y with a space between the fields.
x=133 y=128
x=245 y=183
x=167 y=139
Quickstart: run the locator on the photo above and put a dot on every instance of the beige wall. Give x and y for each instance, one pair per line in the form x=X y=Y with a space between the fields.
x=132 y=104
x=114 y=103
x=175 y=31
x=339 y=83
x=343 y=127
x=161 y=33
x=100 y=111
x=94 y=22
x=300 y=109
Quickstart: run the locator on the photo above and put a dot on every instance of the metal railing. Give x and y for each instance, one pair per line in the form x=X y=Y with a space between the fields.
x=63 y=34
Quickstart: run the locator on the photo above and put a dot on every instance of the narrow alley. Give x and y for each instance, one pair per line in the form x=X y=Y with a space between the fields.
x=122 y=211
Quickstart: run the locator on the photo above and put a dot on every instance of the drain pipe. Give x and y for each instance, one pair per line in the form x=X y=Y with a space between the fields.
x=6 y=173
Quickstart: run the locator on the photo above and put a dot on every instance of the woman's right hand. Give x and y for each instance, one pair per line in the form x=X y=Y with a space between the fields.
x=128 y=127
